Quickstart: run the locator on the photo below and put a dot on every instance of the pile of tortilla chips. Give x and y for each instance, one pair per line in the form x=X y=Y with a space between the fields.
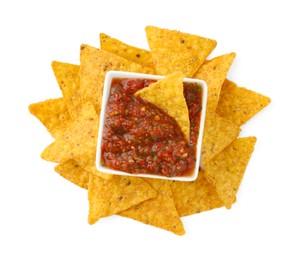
x=73 y=122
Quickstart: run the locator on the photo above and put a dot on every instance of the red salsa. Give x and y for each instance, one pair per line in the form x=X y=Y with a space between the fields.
x=138 y=137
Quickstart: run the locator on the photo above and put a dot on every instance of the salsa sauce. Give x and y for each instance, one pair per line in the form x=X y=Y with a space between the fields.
x=139 y=137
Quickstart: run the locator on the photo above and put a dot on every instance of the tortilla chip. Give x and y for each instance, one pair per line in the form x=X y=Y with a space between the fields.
x=53 y=114
x=72 y=171
x=58 y=152
x=239 y=104
x=159 y=211
x=78 y=142
x=108 y=197
x=134 y=54
x=167 y=94
x=218 y=133
x=174 y=51
x=80 y=137
x=90 y=166
x=67 y=76
x=214 y=72
x=227 y=169
x=94 y=64
x=195 y=197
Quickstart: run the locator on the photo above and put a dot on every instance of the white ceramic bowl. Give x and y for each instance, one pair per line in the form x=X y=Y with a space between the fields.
x=106 y=90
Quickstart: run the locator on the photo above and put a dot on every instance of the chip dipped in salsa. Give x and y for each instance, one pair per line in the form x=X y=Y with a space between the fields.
x=139 y=137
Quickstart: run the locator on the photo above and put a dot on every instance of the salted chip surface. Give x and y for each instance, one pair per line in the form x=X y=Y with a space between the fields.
x=174 y=51
x=239 y=104
x=214 y=72
x=94 y=64
x=227 y=169
x=218 y=133
x=108 y=197
x=167 y=94
x=72 y=172
x=53 y=114
x=137 y=55
x=159 y=211
x=67 y=77
x=195 y=197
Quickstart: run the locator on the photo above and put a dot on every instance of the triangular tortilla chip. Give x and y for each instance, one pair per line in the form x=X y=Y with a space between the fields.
x=108 y=197
x=137 y=55
x=218 y=133
x=159 y=211
x=167 y=94
x=239 y=104
x=59 y=151
x=67 y=76
x=78 y=142
x=174 y=51
x=227 y=169
x=80 y=137
x=72 y=171
x=53 y=114
x=195 y=197
x=94 y=64
x=214 y=72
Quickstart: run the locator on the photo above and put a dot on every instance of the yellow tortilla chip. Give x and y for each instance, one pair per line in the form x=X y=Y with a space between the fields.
x=239 y=104
x=195 y=197
x=80 y=137
x=218 y=133
x=78 y=142
x=90 y=166
x=227 y=169
x=167 y=94
x=137 y=55
x=94 y=64
x=72 y=171
x=159 y=211
x=174 y=51
x=214 y=72
x=53 y=114
x=108 y=197
x=58 y=151
x=67 y=76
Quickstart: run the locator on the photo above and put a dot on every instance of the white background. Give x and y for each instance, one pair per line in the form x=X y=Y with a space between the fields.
x=45 y=217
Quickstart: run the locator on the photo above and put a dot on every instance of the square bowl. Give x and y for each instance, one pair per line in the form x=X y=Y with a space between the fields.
x=130 y=75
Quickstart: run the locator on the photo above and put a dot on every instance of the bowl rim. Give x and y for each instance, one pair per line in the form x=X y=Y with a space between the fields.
x=110 y=75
